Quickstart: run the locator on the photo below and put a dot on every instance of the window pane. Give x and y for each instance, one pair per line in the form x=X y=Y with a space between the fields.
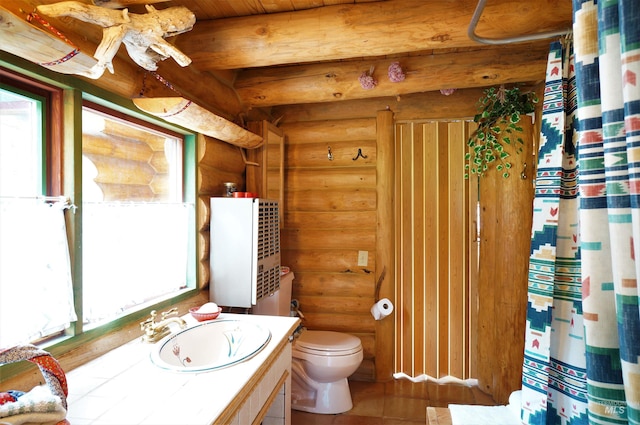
x=20 y=150
x=135 y=225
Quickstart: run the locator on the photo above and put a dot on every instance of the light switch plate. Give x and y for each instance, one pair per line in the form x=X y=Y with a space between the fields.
x=363 y=258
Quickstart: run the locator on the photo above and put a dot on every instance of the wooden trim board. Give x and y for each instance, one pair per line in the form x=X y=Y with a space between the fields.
x=438 y=416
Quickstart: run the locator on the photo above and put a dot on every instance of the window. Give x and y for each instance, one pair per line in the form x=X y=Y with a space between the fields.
x=129 y=244
x=135 y=223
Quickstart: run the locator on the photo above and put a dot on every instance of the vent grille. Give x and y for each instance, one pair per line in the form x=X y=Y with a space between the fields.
x=268 y=229
x=268 y=255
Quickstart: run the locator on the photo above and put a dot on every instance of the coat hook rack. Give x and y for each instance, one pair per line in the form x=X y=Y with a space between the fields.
x=360 y=155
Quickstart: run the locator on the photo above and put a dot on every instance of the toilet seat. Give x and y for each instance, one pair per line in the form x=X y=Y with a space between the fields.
x=327 y=343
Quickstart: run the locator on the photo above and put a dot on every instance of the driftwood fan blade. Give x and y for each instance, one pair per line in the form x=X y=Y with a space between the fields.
x=183 y=112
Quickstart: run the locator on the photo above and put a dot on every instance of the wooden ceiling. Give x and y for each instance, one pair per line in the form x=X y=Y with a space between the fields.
x=282 y=52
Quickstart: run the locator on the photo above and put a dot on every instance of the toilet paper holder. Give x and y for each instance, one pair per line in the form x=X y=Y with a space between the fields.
x=379 y=284
x=381 y=308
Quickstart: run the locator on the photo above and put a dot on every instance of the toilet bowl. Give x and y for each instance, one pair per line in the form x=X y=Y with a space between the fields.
x=322 y=362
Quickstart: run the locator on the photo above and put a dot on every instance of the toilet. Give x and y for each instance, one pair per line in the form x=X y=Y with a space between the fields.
x=322 y=360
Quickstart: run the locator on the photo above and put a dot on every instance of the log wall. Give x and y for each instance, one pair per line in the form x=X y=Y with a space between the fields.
x=330 y=216
x=336 y=208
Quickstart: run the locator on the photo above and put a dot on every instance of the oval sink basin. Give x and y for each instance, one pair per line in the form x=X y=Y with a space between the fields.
x=210 y=345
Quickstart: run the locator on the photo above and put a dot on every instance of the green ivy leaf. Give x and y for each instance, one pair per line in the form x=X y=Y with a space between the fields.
x=499 y=109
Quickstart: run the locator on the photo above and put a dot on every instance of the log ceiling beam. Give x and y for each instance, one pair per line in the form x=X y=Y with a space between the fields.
x=327 y=82
x=348 y=31
x=245 y=65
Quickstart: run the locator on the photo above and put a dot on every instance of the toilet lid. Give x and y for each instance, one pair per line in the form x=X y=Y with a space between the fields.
x=328 y=342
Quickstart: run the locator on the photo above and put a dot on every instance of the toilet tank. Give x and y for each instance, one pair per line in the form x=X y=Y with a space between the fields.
x=279 y=302
x=244 y=250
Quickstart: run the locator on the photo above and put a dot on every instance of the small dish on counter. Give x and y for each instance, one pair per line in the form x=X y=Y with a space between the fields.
x=202 y=317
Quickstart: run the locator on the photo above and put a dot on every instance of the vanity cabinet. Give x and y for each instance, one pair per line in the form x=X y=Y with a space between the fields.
x=269 y=401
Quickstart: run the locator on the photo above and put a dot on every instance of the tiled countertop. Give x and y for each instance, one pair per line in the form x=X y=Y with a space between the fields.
x=124 y=387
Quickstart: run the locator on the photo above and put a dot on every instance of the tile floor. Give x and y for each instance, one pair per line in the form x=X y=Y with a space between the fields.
x=394 y=403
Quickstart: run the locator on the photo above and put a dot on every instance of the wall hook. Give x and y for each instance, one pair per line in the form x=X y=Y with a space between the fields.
x=360 y=155
x=329 y=154
x=523 y=174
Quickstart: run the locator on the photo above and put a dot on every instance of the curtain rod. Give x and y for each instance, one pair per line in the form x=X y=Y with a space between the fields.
x=66 y=202
x=471 y=32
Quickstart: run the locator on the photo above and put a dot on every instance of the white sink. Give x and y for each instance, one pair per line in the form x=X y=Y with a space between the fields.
x=210 y=345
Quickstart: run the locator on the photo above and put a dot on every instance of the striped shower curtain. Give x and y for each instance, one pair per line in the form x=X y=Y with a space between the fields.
x=582 y=349
x=554 y=370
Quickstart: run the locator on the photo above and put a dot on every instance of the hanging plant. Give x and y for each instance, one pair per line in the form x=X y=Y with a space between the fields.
x=499 y=112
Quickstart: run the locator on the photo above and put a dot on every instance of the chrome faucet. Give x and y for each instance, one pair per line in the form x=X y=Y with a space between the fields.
x=155 y=331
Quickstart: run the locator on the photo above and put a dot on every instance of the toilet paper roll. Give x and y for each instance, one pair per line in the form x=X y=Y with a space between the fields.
x=382 y=309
